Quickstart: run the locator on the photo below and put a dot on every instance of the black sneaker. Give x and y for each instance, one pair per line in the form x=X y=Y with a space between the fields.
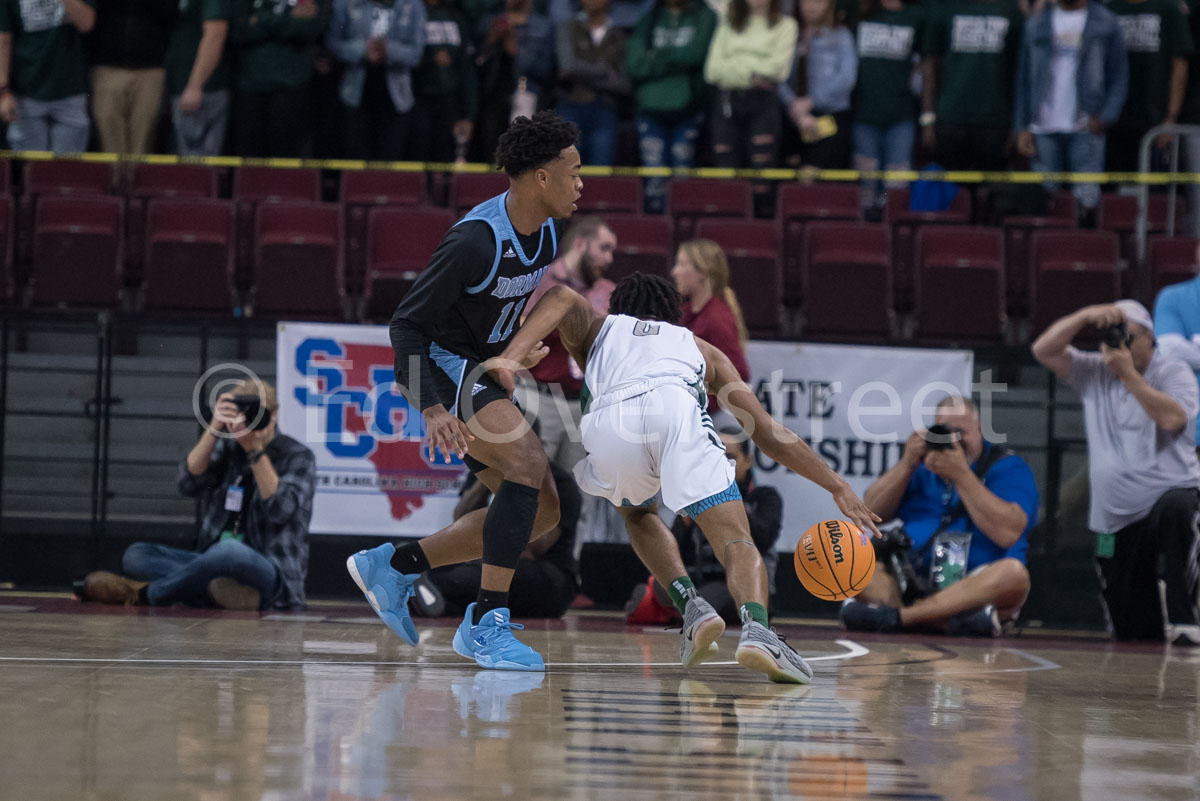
x=983 y=622
x=859 y=616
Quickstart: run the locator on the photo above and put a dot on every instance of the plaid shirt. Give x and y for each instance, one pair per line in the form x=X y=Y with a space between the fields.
x=276 y=527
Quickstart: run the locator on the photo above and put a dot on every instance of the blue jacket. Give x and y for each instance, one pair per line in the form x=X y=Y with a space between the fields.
x=1102 y=77
x=348 y=35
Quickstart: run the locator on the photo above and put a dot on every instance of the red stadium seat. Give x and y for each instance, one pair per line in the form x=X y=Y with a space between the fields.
x=68 y=178
x=755 y=270
x=690 y=199
x=604 y=196
x=1018 y=234
x=78 y=251
x=1072 y=269
x=1170 y=260
x=644 y=244
x=905 y=222
x=45 y=178
x=1119 y=213
x=359 y=192
x=189 y=255
x=274 y=185
x=173 y=180
x=797 y=204
x=298 y=268
x=960 y=283
x=847 y=272
x=468 y=190
x=255 y=185
x=166 y=181
x=399 y=245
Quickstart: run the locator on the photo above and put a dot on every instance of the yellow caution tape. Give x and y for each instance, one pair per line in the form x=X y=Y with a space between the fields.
x=803 y=174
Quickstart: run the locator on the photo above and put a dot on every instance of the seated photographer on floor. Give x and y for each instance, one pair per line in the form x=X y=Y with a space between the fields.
x=253 y=543
x=955 y=558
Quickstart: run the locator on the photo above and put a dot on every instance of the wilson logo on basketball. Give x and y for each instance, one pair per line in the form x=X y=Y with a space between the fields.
x=835 y=544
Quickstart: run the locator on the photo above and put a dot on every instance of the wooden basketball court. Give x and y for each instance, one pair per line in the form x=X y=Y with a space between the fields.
x=131 y=704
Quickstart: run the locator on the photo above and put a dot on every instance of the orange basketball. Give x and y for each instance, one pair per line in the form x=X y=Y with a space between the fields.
x=834 y=560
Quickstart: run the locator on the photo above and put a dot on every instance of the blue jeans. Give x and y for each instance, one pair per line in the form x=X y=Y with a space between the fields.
x=60 y=126
x=1071 y=152
x=597 y=130
x=666 y=145
x=178 y=576
x=202 y=133
x=882 y=148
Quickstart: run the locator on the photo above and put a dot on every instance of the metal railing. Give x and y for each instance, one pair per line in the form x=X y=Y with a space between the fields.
x=1145 y=156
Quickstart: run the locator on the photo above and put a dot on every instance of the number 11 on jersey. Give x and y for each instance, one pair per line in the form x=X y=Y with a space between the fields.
x=510 y=316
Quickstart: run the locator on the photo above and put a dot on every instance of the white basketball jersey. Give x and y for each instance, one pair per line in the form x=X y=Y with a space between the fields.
x=632 y=356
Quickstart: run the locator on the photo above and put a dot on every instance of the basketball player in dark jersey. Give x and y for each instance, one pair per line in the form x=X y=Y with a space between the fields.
x=463 y=310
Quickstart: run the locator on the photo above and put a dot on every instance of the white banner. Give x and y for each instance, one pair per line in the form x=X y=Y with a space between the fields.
x=337 y=394
x=855 y=405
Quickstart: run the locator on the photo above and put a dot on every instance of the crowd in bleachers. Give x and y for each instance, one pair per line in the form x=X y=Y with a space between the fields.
x=742 y=83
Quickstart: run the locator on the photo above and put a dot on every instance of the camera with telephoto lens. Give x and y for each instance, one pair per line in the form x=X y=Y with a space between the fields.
x=1116 y=336
x=893 y=549
x=250 y=407
x=941 y=437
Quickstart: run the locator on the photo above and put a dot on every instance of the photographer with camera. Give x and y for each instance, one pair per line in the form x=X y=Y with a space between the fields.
x=1139 y=408
x=253 y=542
x=954 y=559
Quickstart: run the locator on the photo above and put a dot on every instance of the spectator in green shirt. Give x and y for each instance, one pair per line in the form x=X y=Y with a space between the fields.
x=447 y=87
x=198 y=77
x=1159 y=44
x=972 y=47
x=273 y=42
x=890 y=43
x=43 y=76
x=665 y=55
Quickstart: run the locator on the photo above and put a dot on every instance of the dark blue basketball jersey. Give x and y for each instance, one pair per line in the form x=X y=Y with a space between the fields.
x=471 y=297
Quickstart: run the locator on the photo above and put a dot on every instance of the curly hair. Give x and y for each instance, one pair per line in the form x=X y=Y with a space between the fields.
x=647 y=297
x=532 y=143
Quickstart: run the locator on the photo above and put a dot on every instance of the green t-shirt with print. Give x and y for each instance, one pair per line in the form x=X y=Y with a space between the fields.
x=47 y=51
x=886 y=44
x=1155 y=32
x=1190 y=113
x=185 y=41
x=977 y=42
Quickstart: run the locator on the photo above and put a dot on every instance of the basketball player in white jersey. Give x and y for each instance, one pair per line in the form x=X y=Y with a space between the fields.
x=645 y=428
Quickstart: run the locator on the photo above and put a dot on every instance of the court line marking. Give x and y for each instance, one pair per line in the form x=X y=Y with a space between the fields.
x=853 y=650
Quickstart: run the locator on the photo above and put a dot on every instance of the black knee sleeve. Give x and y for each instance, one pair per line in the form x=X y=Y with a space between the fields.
x=509 y=524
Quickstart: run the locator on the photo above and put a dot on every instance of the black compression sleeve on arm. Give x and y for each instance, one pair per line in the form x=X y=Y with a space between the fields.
x=414 y=375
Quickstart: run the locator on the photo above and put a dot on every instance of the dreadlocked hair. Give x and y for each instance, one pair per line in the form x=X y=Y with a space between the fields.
x=532 y=143
x=647 y=297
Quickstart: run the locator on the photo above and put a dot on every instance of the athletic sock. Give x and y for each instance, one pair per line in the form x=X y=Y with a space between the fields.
x=756 y=612
x=679 y=592
x=410 y=559
x=486 y=601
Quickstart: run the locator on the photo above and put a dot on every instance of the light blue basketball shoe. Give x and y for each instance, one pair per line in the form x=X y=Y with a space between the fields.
x=492 y=644
x=386 y=588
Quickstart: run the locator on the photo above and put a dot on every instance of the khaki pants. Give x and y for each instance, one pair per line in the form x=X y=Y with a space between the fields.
x=125 y=105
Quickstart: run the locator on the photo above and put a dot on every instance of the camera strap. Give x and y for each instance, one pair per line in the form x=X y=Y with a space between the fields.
x=950 y=513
